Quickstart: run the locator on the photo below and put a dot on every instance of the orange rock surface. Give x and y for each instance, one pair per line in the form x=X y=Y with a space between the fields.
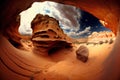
x=103 y=64
x=47 y=34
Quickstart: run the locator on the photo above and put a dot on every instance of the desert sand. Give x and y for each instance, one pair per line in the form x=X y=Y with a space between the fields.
x=24 y=64
x=49 y=54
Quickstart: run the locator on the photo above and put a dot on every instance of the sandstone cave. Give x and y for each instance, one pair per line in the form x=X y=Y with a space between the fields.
x=48 y=51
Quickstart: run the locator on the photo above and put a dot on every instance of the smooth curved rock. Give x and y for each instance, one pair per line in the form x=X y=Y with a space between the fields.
x=107 y=11
x=82 y=53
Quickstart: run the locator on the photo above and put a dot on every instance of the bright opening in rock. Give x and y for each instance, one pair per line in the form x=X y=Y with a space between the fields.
x=77 y=24
x=53 y=25
x=73 y=21
x=68 y=16
x=50 y=21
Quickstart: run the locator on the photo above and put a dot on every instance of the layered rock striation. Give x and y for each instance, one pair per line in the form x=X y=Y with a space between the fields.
x=47 y=34
x=101 y=37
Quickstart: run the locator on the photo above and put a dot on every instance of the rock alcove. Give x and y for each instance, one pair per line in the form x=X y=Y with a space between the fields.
x=17 y=65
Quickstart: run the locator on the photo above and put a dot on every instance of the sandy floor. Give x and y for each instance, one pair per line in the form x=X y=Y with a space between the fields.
x=76 y=70
x=63 y=65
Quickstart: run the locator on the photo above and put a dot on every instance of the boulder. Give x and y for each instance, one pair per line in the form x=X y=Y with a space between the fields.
x=101 y=42
x=82 y=53
x=111 y=41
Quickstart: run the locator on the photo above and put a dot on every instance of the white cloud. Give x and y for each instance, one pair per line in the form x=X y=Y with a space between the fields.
x=78 y=34
x=67 y=15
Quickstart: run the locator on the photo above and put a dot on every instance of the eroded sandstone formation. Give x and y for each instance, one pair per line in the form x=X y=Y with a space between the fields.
x=47 y=35
x=101 y=37
x=102 y=34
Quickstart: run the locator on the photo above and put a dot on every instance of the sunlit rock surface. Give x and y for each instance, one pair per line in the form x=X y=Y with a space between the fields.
x=103 y=36
x=47 y=34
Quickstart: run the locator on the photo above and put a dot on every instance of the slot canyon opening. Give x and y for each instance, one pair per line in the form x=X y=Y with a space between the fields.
x=94 y=40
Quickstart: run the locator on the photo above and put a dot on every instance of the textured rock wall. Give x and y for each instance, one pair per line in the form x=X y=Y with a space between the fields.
x=107 y=11
x=47 y=35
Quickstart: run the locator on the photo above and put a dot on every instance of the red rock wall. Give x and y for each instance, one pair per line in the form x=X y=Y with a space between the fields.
x=105 y=10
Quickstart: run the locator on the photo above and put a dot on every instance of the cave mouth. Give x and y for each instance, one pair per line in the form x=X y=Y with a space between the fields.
x=76 y=23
